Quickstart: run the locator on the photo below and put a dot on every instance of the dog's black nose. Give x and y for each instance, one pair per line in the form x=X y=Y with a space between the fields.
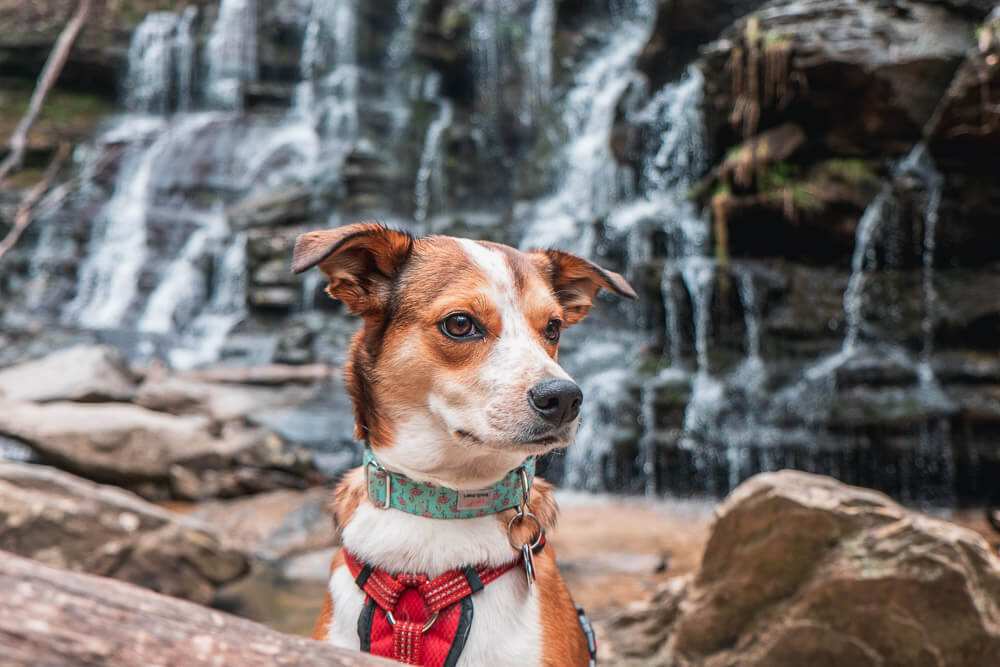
x=557 y=401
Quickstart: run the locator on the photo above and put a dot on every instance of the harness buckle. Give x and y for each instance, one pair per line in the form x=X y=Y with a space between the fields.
x=373 y=467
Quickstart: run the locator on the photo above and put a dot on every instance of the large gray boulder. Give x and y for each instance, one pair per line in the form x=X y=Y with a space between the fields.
x=113 y=441
x=803 y=570
x=155 y=454
x=68 y=522
x=221 y=402
x=78 y=373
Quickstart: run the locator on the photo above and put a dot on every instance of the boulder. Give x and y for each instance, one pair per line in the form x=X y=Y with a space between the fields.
x=221 y=402
x=68 y=522
x=79 y=373
x=274 y=525
x=108 y=441
x=155 y=454
x=53 y=617
x=801 y=569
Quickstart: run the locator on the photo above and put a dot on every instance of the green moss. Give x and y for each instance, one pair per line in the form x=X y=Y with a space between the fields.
x=772 y=38
x=779 y=175
x=851 y=170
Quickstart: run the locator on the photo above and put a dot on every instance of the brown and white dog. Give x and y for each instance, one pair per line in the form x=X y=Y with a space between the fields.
x=455 y=382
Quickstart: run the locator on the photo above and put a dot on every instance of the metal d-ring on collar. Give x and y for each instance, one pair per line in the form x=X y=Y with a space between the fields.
x=373 y=464
x=526 y=550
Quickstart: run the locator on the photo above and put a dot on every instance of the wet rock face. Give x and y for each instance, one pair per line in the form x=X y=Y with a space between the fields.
x=862 y=78
x=801 y=569
x=682 y=26
x=67 y=522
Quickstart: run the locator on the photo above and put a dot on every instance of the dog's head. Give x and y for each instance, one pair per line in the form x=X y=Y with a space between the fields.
x=454 y=374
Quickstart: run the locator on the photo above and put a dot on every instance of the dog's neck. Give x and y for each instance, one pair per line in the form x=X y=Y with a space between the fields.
x=424 y=451
x=400 y=542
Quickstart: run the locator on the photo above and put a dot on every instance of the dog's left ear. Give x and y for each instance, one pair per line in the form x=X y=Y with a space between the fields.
x=360 y=260
x=576 y=281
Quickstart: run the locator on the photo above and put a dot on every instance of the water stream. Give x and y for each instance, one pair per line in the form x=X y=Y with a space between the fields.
x=672 y=402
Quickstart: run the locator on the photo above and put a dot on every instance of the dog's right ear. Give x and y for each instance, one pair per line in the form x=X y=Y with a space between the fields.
x=360 y=260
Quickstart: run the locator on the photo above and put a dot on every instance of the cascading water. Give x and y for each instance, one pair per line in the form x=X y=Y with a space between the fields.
x=161 y=61
x=430 y=175
x=163 y=263
x=231 y=53
x=590 y=175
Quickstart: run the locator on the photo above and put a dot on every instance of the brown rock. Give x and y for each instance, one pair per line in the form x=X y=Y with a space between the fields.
x=801 y=569
x=68 y=522
x=54 y=617
x=765 y=149
x=867 y=75
x=274 y=525
x=966 y=125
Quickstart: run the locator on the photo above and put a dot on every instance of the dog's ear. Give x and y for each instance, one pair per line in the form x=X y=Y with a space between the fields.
x=360 y=260
x=576 y=281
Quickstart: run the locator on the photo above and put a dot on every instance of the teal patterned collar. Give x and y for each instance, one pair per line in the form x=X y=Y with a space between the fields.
x=440 y=502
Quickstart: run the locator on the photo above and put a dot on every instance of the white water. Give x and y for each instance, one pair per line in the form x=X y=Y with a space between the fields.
x=160 y=63
x=231 y=53
x=538 y=57
x=109 y=276
x=590 y=175
x=430 y=187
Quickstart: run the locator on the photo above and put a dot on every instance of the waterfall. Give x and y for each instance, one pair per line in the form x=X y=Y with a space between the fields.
x=935 y=186
x=378 y=118
x=588 y=187
x=109 y=275
x=876 y=215
x=204 y=338
x=160 y=63
x=231 y=53
x=430 y=173
x=539 y=55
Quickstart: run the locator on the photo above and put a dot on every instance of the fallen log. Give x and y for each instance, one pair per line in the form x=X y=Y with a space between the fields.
x=57 y=617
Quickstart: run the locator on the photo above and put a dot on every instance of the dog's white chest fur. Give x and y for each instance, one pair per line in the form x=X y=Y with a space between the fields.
x=505 y=626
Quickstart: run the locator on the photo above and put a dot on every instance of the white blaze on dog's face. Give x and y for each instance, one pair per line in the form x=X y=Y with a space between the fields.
x=454 y=374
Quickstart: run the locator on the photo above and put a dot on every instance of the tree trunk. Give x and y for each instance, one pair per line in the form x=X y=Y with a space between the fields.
x=57 y=617
x=47 y=79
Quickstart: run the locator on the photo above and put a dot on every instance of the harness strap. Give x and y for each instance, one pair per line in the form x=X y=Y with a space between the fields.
x=422 y=621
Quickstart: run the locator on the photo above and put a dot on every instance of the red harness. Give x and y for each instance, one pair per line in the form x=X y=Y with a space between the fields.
x=422 y=622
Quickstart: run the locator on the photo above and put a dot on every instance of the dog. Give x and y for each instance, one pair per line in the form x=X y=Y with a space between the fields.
x=456 y=389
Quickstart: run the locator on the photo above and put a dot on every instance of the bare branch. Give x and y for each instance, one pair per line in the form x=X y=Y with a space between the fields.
x=23 y=217
x=50 y=73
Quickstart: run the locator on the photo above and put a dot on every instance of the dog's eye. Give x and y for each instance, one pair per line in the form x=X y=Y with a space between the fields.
x=460 y=326
x=551 y=332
